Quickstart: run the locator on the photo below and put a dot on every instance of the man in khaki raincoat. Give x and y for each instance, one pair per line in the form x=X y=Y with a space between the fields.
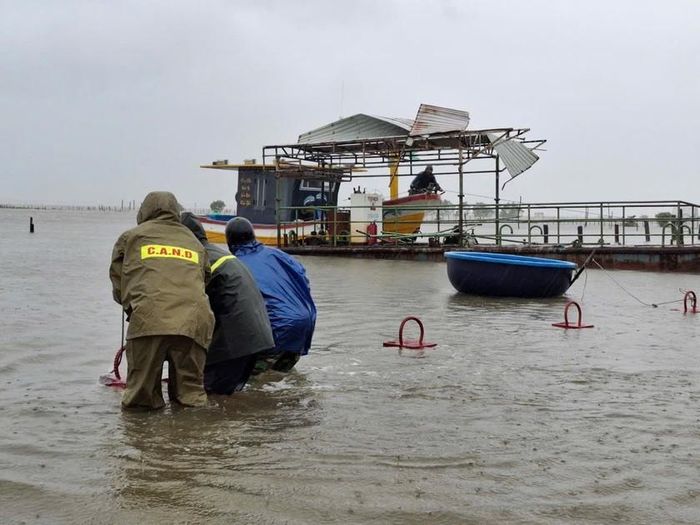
x=158 y=273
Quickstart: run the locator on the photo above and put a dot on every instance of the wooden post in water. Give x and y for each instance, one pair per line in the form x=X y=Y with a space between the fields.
x=31 y=224
x=647 y=235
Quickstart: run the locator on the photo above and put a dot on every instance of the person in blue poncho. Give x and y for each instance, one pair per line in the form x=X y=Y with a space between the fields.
x=285 y=288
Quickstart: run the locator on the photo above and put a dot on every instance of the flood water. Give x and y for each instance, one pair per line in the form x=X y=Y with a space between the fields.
x=507 y=420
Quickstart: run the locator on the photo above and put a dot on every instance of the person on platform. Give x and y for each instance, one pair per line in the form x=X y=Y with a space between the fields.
x=242 y=329
x=424 y=182
x=158 y=274
x=285 y=288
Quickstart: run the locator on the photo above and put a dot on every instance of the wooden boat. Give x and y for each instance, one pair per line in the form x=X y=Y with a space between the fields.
x=256 y=200
x=404 y=215
x=499 y=274
x=215 y=225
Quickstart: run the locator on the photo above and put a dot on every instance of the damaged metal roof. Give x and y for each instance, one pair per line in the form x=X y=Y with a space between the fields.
x=434 y=119
x=516 y=156
x=357 y=127
x=429 y=120
x=438 y=134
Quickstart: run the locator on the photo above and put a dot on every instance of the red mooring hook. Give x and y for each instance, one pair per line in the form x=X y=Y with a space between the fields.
x=411 y=344
x=566 y=323
x=114 y=378
x=693 y=302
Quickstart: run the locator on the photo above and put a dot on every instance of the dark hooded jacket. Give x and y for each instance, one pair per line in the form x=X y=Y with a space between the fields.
x=158 y=273
x=283 y=283
x=242 y=327
x=425 y=180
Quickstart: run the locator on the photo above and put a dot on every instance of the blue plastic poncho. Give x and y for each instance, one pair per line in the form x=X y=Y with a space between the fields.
x=285 y=288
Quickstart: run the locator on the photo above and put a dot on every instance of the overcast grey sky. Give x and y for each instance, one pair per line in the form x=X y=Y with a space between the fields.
x=107 y=100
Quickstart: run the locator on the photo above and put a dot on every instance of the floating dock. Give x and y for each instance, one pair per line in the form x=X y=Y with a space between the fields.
x=646 y=258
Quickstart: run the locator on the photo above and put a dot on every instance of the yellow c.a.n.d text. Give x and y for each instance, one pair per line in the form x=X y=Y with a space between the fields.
x=171 y=252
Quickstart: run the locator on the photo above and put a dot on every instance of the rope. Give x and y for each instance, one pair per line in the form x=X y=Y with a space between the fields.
x=585 y=282
x=654 y=305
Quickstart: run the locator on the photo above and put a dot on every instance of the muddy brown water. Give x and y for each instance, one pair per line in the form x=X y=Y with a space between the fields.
x=507 y=420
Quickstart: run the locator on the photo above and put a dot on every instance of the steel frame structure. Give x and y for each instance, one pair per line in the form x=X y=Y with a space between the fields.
x=339 y=161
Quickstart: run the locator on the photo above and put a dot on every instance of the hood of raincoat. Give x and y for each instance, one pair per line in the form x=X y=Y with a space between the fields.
x=190 y=220
x=247 y=248
x=161 y=205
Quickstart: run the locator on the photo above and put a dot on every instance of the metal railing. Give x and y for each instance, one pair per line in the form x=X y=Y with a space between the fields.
x=622 y=223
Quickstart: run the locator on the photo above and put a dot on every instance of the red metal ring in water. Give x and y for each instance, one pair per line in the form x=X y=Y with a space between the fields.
x=118 y=361
x=409 y=343
x=566 y=323
x=114 y=377
x=693 y=302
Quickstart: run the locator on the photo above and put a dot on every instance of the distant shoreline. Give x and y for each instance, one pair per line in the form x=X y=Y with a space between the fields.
x=73 y=207
x=98 y=207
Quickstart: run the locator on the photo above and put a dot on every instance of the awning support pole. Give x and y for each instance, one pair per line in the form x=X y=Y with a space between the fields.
x=461 y=197
x=498 y=198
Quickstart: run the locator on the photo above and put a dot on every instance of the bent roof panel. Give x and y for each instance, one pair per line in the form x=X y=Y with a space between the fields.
x=436 y=119
x=358 y=126
x=515 y=155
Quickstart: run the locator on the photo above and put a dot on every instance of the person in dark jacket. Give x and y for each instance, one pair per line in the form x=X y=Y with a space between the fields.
x=285 y=288
x=425 y=181
x=158 y=274
x=242 y=331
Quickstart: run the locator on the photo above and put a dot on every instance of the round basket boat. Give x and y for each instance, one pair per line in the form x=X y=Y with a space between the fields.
x=505 y=275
